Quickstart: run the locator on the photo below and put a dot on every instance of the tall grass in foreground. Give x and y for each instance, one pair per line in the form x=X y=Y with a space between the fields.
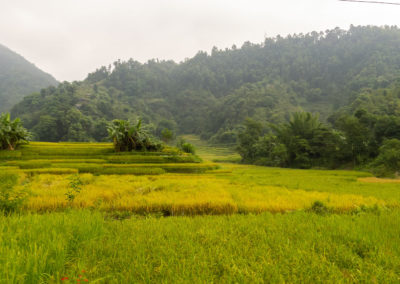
x=297 y=247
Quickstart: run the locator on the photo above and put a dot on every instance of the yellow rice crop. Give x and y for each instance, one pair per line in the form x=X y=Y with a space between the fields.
x=227 y=190
x=378 y=180
x=182 y=194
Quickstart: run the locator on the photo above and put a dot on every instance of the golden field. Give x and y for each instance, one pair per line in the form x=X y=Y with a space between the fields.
x=188 y=189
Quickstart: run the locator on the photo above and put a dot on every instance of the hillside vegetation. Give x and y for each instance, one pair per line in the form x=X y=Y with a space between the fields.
x=212 y=94
x=19 y=78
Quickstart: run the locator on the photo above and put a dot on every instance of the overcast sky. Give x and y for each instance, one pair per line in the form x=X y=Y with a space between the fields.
x=70 y=38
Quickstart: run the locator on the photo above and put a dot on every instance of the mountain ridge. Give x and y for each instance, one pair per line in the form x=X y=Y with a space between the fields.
x=18 y=78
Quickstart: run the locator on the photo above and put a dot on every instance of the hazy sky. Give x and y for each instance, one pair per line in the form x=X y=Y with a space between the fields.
x=70 y=38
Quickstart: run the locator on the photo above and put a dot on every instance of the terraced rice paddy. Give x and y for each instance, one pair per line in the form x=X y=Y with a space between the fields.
x=269 y=228
x=172 y=183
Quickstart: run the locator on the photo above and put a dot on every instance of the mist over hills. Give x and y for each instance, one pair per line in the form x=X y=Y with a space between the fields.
x=211 y=94
x=19 y=78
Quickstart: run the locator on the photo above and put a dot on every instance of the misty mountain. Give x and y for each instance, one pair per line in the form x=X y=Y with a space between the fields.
x=19 y=78
x=212 y=94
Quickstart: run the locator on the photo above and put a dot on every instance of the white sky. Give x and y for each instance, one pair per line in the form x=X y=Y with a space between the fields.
x=70 y=38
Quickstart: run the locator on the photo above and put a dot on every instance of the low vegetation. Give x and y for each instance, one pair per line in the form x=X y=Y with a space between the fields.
x=128 y=136
x=96 y=204
x=280 y=248
x=11 y=132
x=175 y=183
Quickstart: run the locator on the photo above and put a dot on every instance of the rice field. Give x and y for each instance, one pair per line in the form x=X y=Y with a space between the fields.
x=180 y=184
x=92 y=215
x=297 y=247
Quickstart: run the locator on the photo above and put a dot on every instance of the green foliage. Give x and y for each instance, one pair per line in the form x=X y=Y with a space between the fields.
x=133 y=171
x=167 y=135
x=153 y=159
x=19 y=78
x=128 y=136
x=247 y=140
x=358 y=137
x=388 y=161
x=52 y=171
x=212 y=94
x=270 y=152
x=304 y=142
x=11 y=132
x=186 y=146
x=75 y=187
x=274 y=248
x=11 y=199
x=319 y=207
x=98 y=159
x=308 y=142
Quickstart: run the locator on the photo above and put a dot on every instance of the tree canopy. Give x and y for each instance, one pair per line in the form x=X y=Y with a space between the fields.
x=212 y=94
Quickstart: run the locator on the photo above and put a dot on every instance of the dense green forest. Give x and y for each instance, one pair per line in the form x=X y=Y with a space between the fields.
x=332 y=73
x=19 y=78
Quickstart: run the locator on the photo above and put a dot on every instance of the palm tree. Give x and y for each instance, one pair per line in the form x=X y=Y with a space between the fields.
x=299 y=137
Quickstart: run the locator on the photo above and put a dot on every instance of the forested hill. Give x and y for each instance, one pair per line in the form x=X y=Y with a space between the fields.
x=19 y=78
x=211 y=94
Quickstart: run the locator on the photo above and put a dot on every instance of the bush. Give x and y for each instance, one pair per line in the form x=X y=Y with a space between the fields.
x=318 y=207
x=167 y=135
x=387 y=164
x=186 y=147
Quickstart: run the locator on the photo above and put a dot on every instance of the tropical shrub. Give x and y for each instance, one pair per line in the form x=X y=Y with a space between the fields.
x=303 y=142
x=11 y=132
x=74 y=187
x=167 y=135
x=186 y=147
x=128 y=136
x=388 y=161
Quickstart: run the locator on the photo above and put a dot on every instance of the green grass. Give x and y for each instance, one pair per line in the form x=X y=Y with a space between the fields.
x=214 y=153
x=53 y=171
x=98 y=158
x=338 y=182
x=298 y=247
x=133 y=171
x=152 y=159
x=114 y=245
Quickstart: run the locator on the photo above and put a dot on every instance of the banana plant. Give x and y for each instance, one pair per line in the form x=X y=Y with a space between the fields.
x=128 y=136
x=11 y=132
